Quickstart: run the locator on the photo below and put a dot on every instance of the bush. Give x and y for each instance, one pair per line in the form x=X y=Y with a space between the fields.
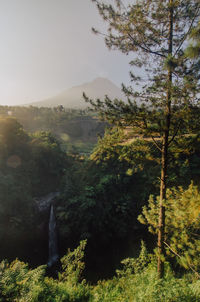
x=136 y=282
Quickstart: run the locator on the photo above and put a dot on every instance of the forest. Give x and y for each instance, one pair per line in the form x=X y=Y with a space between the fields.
x=79 y=128
x=124 y=209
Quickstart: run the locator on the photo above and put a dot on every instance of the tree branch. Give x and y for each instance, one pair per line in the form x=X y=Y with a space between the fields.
x=176 y=254
x=148 y=50
x=174 y=135
x=189 y=30
x=156 y=144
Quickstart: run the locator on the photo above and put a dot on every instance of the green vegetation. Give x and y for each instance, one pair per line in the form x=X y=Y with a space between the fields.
x=76 y=130
x=101 y=198
x=182 y=224
x=109 y=198
x=19 y=283
x=154 y=31
x=137 y=281
x=30 y=166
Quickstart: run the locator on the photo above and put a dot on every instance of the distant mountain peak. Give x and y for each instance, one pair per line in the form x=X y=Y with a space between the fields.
x=73 y=97
x=101 y=80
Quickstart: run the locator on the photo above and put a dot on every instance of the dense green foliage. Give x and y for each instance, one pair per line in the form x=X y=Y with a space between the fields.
x=102 y=196
x=30 y=166
x=136 y=281
x=77 y=130
x=182 y=224
x=169 y=87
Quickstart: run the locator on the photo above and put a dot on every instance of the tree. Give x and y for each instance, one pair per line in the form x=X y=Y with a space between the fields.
x=12 y=136
x=157 y=31
x=193 y=51
x=182 y=224
x=47 y=162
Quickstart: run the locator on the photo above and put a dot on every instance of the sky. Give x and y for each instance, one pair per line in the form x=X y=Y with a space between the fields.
x=47 y=46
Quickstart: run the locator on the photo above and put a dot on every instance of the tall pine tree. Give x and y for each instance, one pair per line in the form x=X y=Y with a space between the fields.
x=156 y=32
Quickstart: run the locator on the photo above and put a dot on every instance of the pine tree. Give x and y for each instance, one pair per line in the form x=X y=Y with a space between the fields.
x=193 y=51
x=182 y=224
x=157 y=32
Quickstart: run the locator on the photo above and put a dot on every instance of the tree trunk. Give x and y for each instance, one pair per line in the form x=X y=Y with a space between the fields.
x=161 y=223
x=164 y=154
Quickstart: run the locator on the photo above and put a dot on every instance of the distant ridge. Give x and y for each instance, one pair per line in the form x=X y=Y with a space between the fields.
x=73 y=97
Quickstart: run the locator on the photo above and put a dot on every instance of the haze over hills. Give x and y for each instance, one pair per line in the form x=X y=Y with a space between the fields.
x=73 y=97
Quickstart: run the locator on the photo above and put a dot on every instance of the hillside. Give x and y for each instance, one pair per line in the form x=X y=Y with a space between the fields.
x=72 y=98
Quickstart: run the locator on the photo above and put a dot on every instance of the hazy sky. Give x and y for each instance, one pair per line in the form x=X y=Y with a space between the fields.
x=47 y=46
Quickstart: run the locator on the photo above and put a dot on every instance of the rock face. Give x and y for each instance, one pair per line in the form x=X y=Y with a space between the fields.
x=73 y=97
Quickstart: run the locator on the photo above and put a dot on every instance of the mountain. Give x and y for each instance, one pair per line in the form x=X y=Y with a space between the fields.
x=73 y=97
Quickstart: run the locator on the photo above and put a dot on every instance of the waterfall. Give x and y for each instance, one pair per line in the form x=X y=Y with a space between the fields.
x=53 y=246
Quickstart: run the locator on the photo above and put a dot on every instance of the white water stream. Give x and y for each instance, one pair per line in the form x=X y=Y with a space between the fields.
x=53 y=242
